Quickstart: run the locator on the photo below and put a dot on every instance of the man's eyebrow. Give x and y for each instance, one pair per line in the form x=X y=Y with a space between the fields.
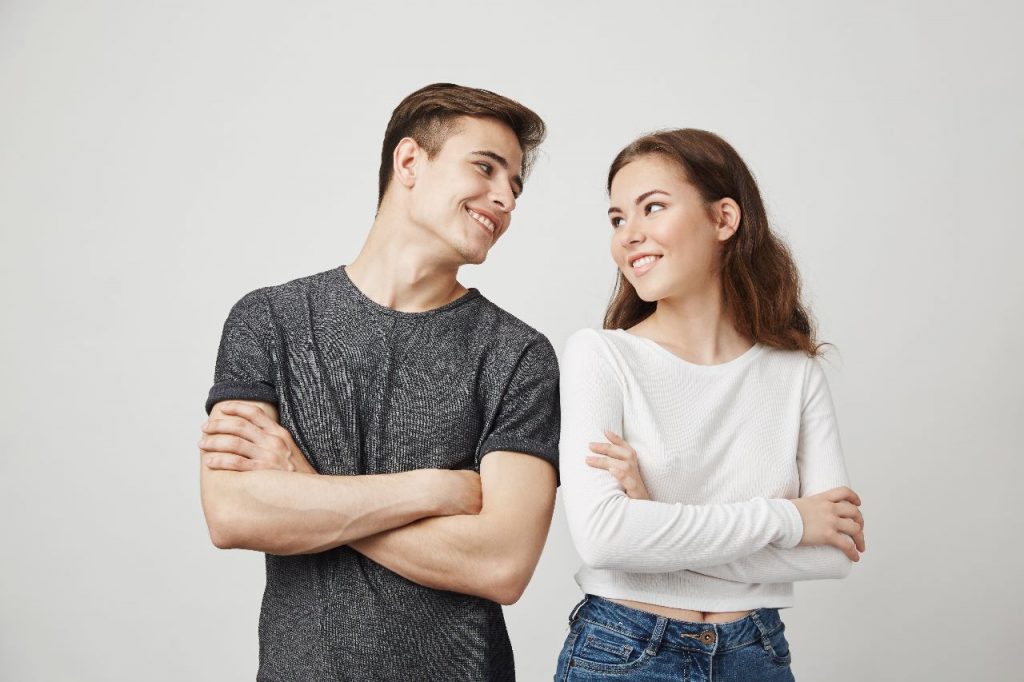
x=503 y=162
x=639 y=199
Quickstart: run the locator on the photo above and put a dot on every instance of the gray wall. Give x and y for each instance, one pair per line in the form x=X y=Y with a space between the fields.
x=159 y=159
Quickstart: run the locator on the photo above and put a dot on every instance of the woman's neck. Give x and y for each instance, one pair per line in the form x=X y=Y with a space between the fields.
x=696 y=327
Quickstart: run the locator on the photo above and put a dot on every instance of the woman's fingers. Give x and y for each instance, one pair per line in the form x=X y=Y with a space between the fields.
x=611 y=450
x=598 y=462
x=615 y=438
x=842 y=493
x=854 y=531
x=847 y=511
x=847 y=544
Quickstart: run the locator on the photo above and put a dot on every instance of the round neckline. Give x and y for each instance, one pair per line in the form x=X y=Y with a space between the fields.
x=471 y=294
x=738 y=361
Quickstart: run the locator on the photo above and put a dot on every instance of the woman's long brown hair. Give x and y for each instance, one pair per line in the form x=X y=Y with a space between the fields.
x=760 y=281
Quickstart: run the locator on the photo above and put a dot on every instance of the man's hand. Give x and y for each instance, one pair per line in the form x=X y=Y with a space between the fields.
x=458 y=492
x=246 y=439
x=833 y=518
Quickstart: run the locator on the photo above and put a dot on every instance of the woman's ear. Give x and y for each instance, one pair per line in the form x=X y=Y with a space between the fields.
x=728 y=212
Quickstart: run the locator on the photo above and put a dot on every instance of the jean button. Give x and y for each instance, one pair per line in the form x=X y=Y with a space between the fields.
x=708 y=637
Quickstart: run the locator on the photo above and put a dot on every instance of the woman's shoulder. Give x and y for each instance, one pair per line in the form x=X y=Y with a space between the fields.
x=604 y=342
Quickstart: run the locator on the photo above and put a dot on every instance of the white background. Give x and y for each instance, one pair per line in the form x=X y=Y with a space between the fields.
x=160 y=159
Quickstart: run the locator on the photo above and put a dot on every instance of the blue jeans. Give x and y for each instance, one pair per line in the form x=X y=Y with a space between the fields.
x=609 y=641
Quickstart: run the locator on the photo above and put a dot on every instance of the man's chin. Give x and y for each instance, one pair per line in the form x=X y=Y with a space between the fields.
x=475 y=258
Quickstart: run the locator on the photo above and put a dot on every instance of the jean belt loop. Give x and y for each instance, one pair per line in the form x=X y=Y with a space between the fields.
x=576 y=609
x=762 y=629
x=657 y=635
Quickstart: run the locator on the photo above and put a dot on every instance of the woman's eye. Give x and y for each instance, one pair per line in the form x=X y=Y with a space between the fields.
x=653 y=208
x=485 y=167
x=618 y=221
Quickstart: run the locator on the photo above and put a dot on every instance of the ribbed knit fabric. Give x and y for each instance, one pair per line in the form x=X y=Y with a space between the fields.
x=720 y=448
x=369 y=390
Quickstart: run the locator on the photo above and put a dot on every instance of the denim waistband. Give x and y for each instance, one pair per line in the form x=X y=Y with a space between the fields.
x=658 y=631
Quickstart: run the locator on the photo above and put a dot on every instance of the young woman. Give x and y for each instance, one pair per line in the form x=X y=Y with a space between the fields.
x=700 y=461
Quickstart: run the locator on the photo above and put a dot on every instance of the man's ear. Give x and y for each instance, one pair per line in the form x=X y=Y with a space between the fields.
x=728 y=213
x=406 y=160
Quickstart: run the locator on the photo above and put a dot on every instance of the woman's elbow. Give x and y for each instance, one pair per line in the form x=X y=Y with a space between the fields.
x=842 y=568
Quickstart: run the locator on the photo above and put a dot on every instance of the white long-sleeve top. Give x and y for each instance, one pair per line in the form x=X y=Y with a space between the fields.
x=720 y=448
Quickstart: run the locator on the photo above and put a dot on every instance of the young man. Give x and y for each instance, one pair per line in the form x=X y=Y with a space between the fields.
x=352 y=409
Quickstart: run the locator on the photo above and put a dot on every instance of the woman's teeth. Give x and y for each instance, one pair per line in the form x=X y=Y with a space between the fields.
x=646 y=260
x=483 y=220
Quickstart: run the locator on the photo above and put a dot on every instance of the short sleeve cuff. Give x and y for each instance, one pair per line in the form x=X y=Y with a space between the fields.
x=241 y=390
x=536 y=449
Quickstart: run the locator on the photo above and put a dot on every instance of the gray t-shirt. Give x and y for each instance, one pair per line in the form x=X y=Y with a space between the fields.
x=369 y=390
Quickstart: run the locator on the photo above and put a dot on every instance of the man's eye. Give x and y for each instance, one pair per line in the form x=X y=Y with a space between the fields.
x=653 y=208
x=485 y=167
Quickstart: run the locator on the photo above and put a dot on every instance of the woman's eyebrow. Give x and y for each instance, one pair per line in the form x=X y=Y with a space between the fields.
x=640 y=198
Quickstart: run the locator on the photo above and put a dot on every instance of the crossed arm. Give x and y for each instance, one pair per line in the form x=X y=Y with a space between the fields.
x=449 y=530
x=617 y=527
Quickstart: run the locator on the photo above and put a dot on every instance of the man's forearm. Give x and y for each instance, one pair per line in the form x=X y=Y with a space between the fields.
x=492 y=554
x=290 y=513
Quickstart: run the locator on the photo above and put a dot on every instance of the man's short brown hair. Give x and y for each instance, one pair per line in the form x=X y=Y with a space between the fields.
x=428 y=116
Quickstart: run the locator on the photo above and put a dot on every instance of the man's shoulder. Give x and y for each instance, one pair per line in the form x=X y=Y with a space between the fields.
x=506 y=328
x=273 y=300
x=300 y=286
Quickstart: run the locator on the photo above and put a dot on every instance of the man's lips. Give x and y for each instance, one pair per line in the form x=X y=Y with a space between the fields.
x=485 y=218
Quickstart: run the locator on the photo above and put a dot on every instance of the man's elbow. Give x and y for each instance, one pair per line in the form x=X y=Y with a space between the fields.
x=222 y=526
x=507 y=584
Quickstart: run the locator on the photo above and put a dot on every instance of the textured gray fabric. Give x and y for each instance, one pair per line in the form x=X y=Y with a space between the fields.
x=368 y=390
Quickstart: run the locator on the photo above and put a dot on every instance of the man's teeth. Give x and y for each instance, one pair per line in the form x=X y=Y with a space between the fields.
x=483 y=220
x=640 y=262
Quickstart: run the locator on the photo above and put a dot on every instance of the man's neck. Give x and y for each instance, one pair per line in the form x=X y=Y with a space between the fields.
x=404 y=269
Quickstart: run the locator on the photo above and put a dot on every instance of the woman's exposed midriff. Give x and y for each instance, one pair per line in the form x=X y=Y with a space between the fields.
x=684 y=614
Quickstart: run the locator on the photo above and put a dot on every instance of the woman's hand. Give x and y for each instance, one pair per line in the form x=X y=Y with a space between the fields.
x=246 y=439
x=833 y=518
x=620 y=460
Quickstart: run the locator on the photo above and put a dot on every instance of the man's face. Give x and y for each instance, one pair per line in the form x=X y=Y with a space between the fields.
x=466 y=193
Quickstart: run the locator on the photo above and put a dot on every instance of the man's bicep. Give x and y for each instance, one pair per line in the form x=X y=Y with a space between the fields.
x=245 y=368
x=519 y=495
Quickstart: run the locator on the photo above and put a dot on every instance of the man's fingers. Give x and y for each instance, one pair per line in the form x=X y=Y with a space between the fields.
x=227 y=462
x=250 y=413
x=234 y=427
x=228 y=444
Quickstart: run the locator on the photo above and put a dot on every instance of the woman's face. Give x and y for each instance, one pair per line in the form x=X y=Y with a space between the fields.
x=664 y=239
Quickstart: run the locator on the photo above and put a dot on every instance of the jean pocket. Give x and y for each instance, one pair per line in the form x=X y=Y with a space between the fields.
x=780 y=653
x=604 y=650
